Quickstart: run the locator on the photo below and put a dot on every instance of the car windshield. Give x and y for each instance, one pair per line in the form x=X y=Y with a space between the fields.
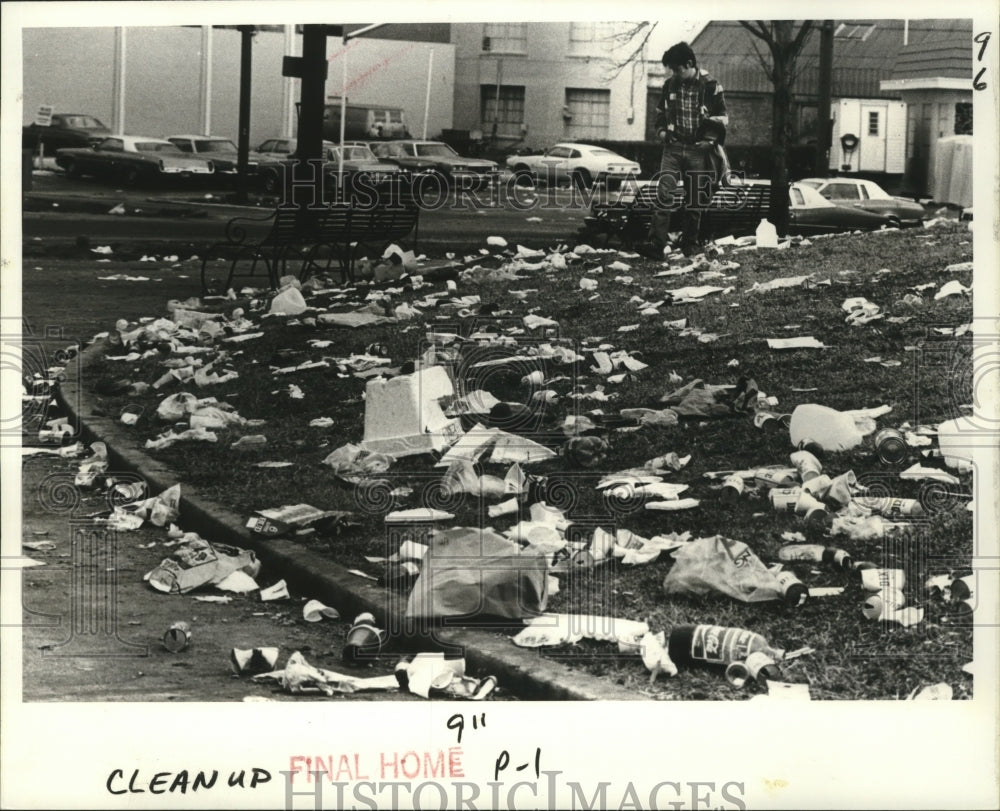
x=215 y=146
x=435 y=151
x=83 y=122
x=353 y=153
x=157 y=146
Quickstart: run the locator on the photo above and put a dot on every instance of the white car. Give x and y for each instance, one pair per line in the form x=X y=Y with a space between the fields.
x=582 y=164
x=868 y=196
x=221 y=151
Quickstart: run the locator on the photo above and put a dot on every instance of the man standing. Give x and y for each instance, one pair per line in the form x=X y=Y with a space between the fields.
x=691 y=122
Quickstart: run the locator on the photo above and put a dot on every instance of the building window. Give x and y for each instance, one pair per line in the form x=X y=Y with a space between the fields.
x=587 y=113
x=505 y=38
x=508 y=114
x=963 y=118
x=873 y=123
x=591 y=38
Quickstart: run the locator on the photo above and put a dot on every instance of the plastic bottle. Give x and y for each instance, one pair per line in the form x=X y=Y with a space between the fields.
x=716 y=644
x=815 y=553
x=767 y=235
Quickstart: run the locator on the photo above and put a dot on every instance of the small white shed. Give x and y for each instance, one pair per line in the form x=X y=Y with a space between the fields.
x=879 y=130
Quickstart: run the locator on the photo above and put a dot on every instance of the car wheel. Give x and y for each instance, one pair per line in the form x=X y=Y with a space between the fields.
x=582 y=179
x=523 y=176
x=894 y=222
x=72 y=170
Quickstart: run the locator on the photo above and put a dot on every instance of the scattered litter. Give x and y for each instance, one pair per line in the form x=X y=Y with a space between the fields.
x=952 y=288
x=315 y=611
x=300 y=677
x=718 y=564
x=805 y=342
x=253 y=661
x=279 y=591
x=198 y=563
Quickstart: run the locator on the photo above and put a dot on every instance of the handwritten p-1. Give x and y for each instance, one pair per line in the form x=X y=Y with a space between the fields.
x=503 y=761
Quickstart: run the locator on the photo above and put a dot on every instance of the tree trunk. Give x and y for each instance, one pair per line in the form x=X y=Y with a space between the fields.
x=780 y=125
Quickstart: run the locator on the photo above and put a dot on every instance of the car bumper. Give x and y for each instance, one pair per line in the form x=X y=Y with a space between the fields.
x=181 y=170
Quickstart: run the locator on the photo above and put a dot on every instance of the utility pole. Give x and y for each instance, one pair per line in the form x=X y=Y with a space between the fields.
x=246 y=55
x=824 y=126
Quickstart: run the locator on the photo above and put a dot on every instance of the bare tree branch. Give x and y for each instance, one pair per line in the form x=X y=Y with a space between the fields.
x=767 y=66
x=761 y=31
x=624 y=38
x=800 y=37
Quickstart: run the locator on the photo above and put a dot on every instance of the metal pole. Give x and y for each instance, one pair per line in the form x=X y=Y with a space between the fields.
x=427 y=100
x=496 y=103
x=246 y=55
x=287 y=89
x=822 y=167
x=206 y=79
x=343 y=118
x=120 y=52
x=309 y=143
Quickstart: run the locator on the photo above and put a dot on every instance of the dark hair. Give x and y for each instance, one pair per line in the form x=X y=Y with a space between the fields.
x=679 y=55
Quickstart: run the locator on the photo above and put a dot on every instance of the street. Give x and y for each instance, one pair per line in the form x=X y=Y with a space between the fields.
x=536 y=218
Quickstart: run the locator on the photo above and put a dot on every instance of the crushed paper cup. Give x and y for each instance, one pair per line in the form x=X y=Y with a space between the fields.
x=253 y=661
x=314 y=611
x=279 y=591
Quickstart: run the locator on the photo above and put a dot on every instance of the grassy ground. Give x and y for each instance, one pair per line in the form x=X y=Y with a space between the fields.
x=853 y=658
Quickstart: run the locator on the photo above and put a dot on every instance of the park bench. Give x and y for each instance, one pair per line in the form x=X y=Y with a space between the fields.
x=735 y=210
x=307 y=240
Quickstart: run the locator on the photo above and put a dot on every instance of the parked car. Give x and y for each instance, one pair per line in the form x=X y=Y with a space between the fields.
x=580 y=163
x=276 y=148
x=439 y=158
x=133 y=159
x=811 y=213
x=869 y=196
x=67 y=130
x=735 y=210
x=358 y=158
x=223 y=153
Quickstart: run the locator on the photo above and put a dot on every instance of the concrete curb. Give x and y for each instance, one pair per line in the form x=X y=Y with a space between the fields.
x=522 y=671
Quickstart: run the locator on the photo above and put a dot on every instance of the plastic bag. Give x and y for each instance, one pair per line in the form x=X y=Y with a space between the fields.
x=471 y=572
x=720 y=564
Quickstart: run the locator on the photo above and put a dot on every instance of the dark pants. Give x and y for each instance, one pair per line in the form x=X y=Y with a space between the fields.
x=683 y=190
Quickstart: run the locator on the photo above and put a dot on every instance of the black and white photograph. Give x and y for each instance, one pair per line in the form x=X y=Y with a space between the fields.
x=499 y=407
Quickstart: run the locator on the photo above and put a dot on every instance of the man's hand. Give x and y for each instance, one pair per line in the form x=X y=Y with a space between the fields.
x=666 y=136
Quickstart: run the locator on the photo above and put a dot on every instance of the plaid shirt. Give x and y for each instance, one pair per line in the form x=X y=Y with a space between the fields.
x=686 y=105
x=681 y=105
